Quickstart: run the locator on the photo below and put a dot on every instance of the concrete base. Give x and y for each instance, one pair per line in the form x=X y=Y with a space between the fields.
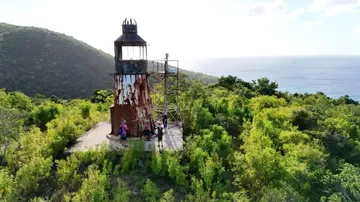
x=100 y=134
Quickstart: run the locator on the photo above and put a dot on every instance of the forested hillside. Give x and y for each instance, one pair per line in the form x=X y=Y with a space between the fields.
x=244 y=142
x=35 y=60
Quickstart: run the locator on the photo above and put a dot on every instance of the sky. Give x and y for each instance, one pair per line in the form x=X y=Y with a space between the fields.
x=192 y=29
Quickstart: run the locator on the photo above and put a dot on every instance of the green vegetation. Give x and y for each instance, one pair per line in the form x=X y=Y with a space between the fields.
x=35 y=60
x=245 y=141
x=204 y=78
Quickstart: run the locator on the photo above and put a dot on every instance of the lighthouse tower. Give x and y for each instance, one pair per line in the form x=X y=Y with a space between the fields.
x=131 y=92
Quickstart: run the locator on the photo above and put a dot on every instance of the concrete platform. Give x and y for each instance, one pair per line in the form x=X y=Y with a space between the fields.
x=99 y=135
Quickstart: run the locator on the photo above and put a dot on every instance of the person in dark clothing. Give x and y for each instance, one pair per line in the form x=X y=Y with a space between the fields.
x=165 y=120
x=160 y=135
x=146 y=133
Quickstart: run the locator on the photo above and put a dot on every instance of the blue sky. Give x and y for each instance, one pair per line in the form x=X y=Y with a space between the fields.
x=190 y=29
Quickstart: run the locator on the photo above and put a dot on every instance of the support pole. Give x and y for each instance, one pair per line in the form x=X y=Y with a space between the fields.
x=165 y=82
x=177 y=93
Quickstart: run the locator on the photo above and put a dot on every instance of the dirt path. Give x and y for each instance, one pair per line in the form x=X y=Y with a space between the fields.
x=99 y=134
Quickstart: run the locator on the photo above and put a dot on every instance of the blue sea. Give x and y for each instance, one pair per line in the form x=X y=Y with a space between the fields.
x=333 y=75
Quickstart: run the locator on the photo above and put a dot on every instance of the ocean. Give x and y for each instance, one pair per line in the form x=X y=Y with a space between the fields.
x=333 y=75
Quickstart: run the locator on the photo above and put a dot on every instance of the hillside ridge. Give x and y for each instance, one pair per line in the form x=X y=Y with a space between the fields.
x=37 y=60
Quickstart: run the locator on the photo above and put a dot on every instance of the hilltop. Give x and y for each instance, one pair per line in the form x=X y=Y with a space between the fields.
x=35 y=60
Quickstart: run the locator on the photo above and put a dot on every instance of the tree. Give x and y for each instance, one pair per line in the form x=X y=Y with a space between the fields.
x=198 y=192
x=168 y=196
x=262 y=102
x=304 y=119
x=349 y=182
x=228 y=82
x=203 y=118
x=263 y=86
x=44 y=113
x=6 y=185
x=122 y=192
x=30 y=176
x=260 y=165
x=102 y=96
x=283 y=194
x=20 y=101
x=11 y=122
x=345 y=100
x=232 y=83
x=67 y=172
x=93 y=188
x=151 y=192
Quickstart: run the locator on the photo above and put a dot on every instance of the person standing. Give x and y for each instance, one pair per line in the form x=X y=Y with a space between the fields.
x=123 y=133
x=165 y=120
x=146 y=133
x=160 y=135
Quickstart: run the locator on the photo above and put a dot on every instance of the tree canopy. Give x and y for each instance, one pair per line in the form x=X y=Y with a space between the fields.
x=244 y=141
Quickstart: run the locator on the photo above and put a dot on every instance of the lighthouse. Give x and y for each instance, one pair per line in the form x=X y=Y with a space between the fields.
x=134 y=78
x=131 y=91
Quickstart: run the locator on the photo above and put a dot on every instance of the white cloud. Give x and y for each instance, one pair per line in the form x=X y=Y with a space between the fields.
x=318 y=5
x=336 y=10
x=356 y=11
x=357 y=30
x=312 y=24
x=278 y=6
x=257 y=10
x=333 y=7
x=274 y=7
x=293 y=15
x=274 y=11
x=343 y=2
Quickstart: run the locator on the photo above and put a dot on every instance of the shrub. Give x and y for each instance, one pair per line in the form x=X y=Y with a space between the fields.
x=151 y=192
x=20 y=101
x=67 y=171
x=6 y=184
x=159 y=163
x=44 y=113
x=168 y=196
x=121 y=192
x=85 y=110
x=30 y=175
x=93 y=188
x=133 y=155
x=176 y=171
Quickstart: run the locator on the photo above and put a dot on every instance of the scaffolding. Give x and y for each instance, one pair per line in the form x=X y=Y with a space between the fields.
x=164 y=88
